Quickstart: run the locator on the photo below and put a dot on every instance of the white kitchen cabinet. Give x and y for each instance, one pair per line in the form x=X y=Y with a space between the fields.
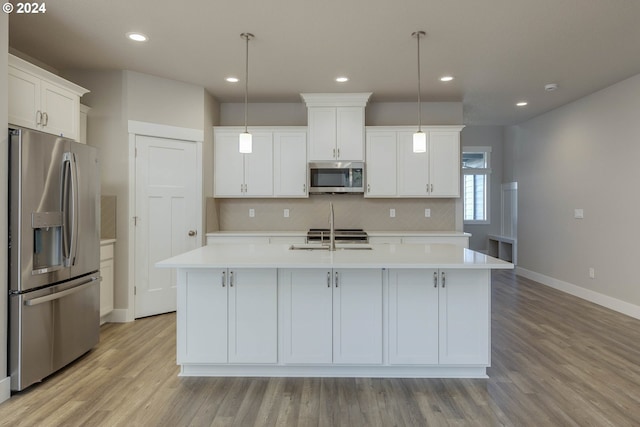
x=464 y=320
x=239 y=310
x=43 y=101
x=336 y=125
x=307 y=301
x=107 y=273
x=242 y=175
x=439 y=317
x=381 y=163
x=332 y=316
x=290 y=164
x=84 y=118
x=413 y=316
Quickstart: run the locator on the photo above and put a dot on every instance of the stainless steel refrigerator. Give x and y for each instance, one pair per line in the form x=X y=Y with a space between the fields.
x=54 y=253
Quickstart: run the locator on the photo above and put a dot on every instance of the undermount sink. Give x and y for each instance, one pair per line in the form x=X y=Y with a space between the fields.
x=321 y=247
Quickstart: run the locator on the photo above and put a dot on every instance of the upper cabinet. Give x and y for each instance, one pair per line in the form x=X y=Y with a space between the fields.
x=43 y=101
x=336 y=125
x=394 y=170
x=277 y=167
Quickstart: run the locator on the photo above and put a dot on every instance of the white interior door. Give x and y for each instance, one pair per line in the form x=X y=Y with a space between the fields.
x=167 y=220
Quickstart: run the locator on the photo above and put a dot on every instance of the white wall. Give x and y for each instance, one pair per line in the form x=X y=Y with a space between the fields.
x=4 y=288
x=486 y=136
x=581 y=156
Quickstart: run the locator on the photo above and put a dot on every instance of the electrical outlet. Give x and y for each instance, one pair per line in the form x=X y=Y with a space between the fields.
x=252 y=213
x=392 y=213
x=286 y=213
x=578 y=213
x=427 y=213
x=592 y=273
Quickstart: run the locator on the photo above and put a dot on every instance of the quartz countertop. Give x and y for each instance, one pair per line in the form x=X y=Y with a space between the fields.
x=370 y=233
x=380 y=256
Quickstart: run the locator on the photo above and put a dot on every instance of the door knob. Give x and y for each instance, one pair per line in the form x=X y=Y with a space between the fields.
x=192 y=233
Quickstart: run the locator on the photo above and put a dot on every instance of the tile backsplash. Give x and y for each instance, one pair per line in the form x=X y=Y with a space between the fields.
x=108 y=217
x=351 y=211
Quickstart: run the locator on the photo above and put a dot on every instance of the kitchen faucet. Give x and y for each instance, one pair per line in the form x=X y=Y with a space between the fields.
x=332 y=233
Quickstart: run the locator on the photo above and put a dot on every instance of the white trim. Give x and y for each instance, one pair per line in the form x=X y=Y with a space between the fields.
x=615 y=304
x=5 y=389
x=336 y=99
x=136 y=128
x=165 y=131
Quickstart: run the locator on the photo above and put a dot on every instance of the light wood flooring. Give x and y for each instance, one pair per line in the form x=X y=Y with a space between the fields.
x=557 y=361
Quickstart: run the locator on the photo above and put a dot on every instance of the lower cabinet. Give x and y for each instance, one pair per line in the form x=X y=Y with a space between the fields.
x=439 y=316
x=229 y=316
x=332 y=316
x=106 y=284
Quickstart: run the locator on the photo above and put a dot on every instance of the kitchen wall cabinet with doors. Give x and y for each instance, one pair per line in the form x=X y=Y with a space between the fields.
x=107 y=268
x=394 y=170
x=439 y=316
x=277 y=167
x=42 y=100
x=332 y=316
x=238 y=311
x=336 y=125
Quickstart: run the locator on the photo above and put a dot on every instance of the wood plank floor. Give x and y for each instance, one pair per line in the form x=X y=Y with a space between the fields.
x=557 y=361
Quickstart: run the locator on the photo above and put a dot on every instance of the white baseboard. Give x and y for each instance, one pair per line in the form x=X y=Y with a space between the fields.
x=5 y=389
x=580 y=292
x=119 y=315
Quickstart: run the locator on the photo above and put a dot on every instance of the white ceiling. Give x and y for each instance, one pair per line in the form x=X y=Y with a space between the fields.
x=500 y=51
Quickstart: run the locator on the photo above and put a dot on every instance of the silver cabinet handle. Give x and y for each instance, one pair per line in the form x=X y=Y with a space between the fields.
x=338 y=153
x=334 y=153
x=46 y=118
x=304 y=188
x=231 y=279
x=38 y=117
x=242 y=188
x=336 y=279
x=328 y=279
x=192 y=233
x=443 y=280
x=224 y=278
x=368 y=188
x=426 y=190
x=431 y=188
x=435 y=279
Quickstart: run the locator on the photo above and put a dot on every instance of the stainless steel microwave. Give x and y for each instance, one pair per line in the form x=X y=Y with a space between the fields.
x=336 y=177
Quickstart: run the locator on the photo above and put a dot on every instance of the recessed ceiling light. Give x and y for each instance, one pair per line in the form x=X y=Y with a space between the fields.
x=522 y=104
x=232 y=79
x=446 y=78
x=342 y=79
x=138 y=37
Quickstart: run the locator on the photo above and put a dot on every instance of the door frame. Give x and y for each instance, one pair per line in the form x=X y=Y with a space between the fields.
x=136 y=128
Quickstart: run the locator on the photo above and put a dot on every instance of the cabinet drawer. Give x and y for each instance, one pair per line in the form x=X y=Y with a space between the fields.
x=106 y=252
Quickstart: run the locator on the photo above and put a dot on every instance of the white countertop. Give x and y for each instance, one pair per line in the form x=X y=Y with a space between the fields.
x=370 y=233
x=381 y=256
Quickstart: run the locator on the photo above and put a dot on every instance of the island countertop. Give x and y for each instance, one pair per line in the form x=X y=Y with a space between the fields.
x=248 y=255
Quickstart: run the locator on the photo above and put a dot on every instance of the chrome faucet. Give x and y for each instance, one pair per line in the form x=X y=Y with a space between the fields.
x=332 y=232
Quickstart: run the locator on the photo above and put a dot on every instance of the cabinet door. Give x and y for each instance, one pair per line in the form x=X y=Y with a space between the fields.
x=413 y=316
x=24 y=99
x=307 y=315
x=258 y=166
x=202 y=316
x=106 y=287
x=290 y=164
x=413 y=168
x=350 y=133
x=465 y=317
x=61 y=109
x=228 y=166
x=322 y=133
x=357 y=316
x=381 y=164
x=253 y=316
x=444 y=163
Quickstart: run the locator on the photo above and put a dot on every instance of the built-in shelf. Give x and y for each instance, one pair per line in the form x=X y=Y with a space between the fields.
x=503 y=247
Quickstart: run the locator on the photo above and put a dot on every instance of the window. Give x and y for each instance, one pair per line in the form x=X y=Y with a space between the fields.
x=476 y=172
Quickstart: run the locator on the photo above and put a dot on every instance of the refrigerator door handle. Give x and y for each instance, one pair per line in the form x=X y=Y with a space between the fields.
x=70 y=207
x=58 y=295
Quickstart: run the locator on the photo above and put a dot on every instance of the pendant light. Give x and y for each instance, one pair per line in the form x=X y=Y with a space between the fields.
x=245 y=145
x=419 y=138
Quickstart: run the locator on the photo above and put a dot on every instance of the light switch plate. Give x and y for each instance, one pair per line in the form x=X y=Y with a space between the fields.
x=578 y=213
x=252 y=213
x=427 y=213
x=392 y=213
x=286 y=213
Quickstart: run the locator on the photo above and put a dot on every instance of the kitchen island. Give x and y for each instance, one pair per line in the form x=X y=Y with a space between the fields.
x=392 y=310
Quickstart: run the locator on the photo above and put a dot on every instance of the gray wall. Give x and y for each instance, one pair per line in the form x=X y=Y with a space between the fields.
x=4 y=288
x=486 y=136
x=582 y=155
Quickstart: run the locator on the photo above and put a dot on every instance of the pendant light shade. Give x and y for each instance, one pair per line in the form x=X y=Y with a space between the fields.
x=419 y=138
x=245 y=144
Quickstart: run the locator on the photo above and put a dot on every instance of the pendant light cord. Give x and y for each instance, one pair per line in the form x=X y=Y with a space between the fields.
x=418 y=34
x=246 y=36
